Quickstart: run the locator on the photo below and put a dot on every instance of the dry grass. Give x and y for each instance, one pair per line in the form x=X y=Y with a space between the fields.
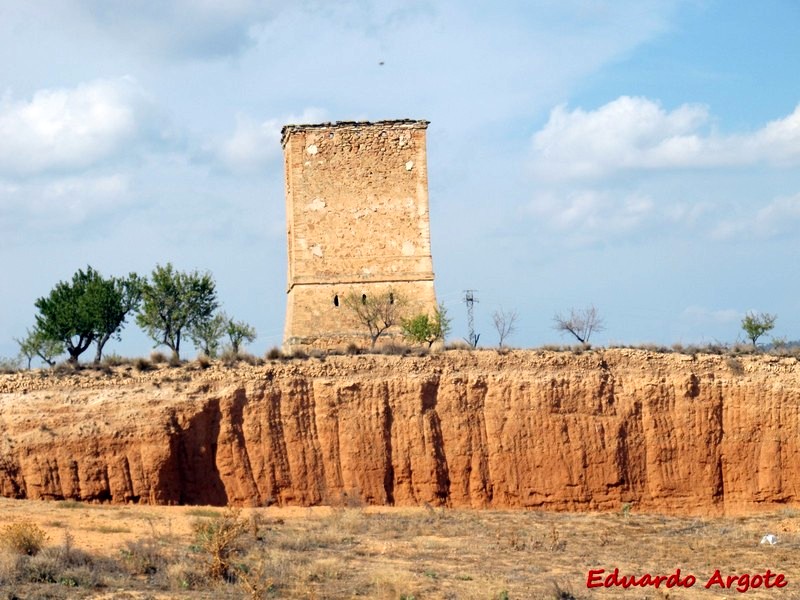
x=382 y=553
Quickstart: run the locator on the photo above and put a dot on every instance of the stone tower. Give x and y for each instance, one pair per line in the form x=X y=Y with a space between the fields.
x=357 y=222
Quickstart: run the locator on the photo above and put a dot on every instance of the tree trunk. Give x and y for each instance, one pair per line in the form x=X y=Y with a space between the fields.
x=100 y=343
x=76 y=351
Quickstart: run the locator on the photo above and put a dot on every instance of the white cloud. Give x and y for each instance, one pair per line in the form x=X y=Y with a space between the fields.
x=62 y=129
x=254 y=144
x=587 y=216
x=779 y=217
x=62 y=202
x=638 y=134
x=779 y=140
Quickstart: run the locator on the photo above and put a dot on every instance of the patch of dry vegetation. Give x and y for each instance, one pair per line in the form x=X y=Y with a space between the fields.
x=356 y=552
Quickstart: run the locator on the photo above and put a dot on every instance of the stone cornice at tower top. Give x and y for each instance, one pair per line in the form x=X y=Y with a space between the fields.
x=395 y=124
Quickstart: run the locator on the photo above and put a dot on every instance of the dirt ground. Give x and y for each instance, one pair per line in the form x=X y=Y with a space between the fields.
x=138 y=551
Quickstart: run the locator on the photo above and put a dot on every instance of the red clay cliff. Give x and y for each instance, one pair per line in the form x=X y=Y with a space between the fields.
x=559 y=431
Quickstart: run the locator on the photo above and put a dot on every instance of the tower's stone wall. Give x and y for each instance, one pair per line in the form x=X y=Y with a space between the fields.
x=357 y=221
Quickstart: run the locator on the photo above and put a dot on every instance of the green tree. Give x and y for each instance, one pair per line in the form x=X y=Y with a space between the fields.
x=121 y=296
x=71 y=313
x=35 y=343
x=426 y=329
x=173 y=302
x=376 y=312
x=757 y=324
x=239 y=332
x=90 y=308
x=206 y=334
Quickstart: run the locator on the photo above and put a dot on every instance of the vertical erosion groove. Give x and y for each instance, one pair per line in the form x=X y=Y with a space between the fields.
x=388 y=420
x=193 y=460
x=430 y=395
x=239 y=470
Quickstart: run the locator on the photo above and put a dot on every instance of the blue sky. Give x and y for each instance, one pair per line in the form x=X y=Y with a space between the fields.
x=641 y=156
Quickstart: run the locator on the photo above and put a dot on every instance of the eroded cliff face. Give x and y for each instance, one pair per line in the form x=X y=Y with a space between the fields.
x=529 y=429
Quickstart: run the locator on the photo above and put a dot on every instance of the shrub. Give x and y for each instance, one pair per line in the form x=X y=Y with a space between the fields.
x=66 y=368
x=43 y=568
x=715 y=348
x=104 y=369
x=394 y=349
x=231 y=359
x=9 y=365
x=142 y=364
x=655 y=348
x=158 y=358
x=203 y=361
x=555 y=348
x=459 y=345
x=559 y=593
x=274 y=353
x=142 y=557
x=115 y=360
x=220 y=539
x=742 y=349
x=186 y=576
x=250 y=359
x=23 y=538
x=318 y=354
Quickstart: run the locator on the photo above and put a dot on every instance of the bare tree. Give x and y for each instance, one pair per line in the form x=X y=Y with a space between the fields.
x=377 y=312
x=581 y=323
x=505 y=323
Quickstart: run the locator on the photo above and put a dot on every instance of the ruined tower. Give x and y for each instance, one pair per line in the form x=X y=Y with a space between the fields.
x=357 y=223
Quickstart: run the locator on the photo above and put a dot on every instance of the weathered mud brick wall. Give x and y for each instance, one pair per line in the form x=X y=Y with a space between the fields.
x=357 y=221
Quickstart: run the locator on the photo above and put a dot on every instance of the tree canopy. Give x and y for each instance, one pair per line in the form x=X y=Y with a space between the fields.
x=35 y=343
x=239 y=332
x=757 y=324
x=122 y=296
x=206 y=334
x=87 y=309
x=90 y=308
x=173 y=302
x=426 y=329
